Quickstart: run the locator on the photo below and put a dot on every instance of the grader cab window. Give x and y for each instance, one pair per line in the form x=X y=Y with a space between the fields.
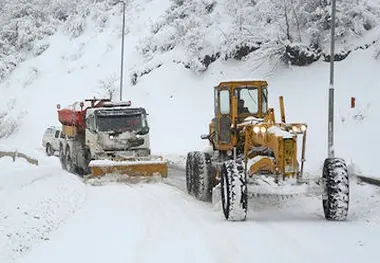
x=248 y=101
x=224 y=121
x=224 y=97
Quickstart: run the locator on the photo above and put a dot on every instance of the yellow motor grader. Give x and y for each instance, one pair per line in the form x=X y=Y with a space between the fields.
x=251 y=153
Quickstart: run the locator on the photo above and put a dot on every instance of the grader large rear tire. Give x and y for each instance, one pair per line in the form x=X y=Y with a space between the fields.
x=234 y=191
x=202 y=176
x=189 y=173
x=336 y=192
x=199 y=180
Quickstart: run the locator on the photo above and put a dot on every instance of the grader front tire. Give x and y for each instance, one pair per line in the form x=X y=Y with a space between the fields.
x=234 y=191
x=202 y=176
x=199 y=181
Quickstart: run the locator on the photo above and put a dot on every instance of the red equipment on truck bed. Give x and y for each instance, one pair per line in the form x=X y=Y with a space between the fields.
x=75 y=114
x=72 y=118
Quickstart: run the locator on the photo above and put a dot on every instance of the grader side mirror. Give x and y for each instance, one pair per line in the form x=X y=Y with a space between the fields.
x=204 y=136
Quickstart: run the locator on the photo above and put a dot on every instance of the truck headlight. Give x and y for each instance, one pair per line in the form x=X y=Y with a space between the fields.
x=303 y=128
x=111 y=137
x=256 y=129
x=263 y=129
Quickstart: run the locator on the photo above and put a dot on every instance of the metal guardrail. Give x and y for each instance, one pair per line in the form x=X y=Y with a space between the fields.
x=369 y=180
x=16 y=154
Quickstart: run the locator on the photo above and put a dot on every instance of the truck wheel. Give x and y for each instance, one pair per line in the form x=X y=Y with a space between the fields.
x=336 y=189
x=69 y=162
x=202 y=176
x=234 y=191
x=49 y=150
x=189 y=174
x=62 y=157
x=87 y=157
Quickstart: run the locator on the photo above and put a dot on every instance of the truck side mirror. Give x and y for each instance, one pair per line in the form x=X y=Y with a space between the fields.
x=143 y=131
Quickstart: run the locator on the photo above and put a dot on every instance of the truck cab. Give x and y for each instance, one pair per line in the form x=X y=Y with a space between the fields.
x=102 y=130
x=117 y=130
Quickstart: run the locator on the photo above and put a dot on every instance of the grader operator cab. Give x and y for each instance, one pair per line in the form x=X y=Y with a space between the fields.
x=252 y=154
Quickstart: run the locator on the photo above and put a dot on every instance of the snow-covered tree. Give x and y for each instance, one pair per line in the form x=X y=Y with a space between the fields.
x=24 y=23
x=296 y=31
x=377 y=51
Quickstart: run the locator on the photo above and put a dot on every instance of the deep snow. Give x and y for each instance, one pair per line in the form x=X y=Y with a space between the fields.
x=51 y=216
x=33 y=202
x=158 y=222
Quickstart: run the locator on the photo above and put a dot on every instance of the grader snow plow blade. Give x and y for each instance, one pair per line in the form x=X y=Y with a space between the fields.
x=140 y=168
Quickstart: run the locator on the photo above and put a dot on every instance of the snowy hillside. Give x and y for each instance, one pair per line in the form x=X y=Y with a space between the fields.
x=180 y=101
x=61 y=51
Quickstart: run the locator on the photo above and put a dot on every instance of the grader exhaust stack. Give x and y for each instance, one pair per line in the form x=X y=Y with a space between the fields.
x=282 y=109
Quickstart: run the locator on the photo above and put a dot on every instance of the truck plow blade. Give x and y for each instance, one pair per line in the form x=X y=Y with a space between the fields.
x=136 y=168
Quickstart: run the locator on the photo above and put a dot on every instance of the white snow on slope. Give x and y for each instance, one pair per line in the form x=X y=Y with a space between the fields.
x=34 y=201
x=180 y=103
x=156 y=222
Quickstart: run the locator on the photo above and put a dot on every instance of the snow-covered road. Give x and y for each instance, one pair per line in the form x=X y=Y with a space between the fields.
x=158 y=222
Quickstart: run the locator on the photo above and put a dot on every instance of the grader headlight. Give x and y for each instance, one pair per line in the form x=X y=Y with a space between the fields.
x=295 y=129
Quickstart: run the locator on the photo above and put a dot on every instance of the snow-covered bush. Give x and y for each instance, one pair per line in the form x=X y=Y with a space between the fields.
x=24 y=24
x=300 y=55
x=233 y=29
x=107 y=87
x=139 y=73
x=377 y=51
x=76 y=25
x=40 y=47
x=186 y=24
x=8 y=63
x=8 y=123
x=7 y=126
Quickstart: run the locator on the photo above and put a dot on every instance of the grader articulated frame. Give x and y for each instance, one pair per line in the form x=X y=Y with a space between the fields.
x=252 y=154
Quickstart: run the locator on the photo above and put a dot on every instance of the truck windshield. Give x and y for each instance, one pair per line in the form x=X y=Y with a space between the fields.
x=120 y=123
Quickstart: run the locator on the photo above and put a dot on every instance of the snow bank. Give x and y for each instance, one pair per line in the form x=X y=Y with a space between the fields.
x=34 y=200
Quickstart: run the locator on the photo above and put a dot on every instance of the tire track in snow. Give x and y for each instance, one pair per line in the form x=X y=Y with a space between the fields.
x=228 y=231
x=172 y=226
